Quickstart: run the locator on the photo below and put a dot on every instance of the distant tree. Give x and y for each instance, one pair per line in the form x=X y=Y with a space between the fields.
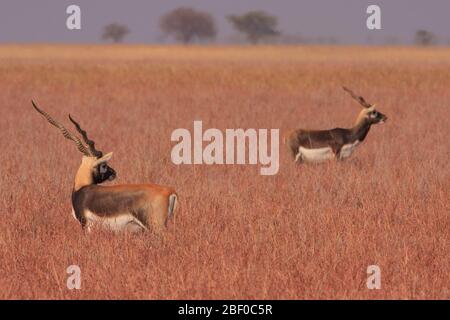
x=424 y=38
x=255 y=25
x=114 y=31
x=187 y=25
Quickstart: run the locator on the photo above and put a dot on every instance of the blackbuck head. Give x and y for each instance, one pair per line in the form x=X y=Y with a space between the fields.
x=94 y=168
x=369 y=113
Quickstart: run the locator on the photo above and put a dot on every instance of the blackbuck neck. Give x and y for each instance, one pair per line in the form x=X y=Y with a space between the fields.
x=84 y=177
x=359 y=130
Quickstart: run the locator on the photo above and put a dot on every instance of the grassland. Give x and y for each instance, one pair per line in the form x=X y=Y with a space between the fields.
x=308 y=232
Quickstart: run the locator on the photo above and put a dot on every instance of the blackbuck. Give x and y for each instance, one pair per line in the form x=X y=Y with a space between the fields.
x=131 y=208
x=338 y=143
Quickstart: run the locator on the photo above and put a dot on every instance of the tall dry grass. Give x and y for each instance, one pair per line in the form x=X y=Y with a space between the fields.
x=308 y=232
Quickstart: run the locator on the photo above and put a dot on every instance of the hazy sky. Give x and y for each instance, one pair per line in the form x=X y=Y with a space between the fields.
x=45 y=20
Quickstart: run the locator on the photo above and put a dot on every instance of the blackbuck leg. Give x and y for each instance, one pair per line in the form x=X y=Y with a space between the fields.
x=337 y=151
x=298 y=157
x=159 y=214
x=133 y=227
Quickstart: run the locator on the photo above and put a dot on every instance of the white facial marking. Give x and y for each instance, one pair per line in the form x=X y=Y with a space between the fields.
x=315 y=155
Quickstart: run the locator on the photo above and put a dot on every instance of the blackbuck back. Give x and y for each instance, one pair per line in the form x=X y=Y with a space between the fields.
x=320 y=145
x=131 y=208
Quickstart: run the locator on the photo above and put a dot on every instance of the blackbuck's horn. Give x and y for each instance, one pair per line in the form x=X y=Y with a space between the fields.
x=90 y=143
x=105 y=158
x=67 y=134
x=360 y=99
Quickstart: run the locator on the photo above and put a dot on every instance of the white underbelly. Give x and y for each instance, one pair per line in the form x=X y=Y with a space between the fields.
x=348 y=149
x=315 y=155
x=117 y=223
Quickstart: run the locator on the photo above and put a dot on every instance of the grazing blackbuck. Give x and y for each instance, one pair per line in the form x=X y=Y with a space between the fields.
x=131 y=208
x=338 y=143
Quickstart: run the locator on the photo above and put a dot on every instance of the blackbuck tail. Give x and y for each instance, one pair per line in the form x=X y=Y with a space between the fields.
x=172 y=204
x=287 y=136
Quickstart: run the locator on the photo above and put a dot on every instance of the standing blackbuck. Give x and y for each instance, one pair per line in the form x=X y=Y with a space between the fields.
x=131 y=208
x=338 y=143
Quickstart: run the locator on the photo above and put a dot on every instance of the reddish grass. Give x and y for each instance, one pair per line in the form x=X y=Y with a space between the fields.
x=308 y=232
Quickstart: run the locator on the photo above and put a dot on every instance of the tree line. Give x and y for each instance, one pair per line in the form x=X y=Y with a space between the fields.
x=188 y=25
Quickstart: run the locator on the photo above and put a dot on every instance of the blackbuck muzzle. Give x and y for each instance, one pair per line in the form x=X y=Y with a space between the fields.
x=131 y=208
x=338 y=143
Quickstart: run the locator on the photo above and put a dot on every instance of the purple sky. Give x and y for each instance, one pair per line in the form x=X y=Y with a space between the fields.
x=44 y=20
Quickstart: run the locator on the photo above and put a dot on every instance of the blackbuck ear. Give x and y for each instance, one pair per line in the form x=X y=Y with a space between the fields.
x=105 y=158
x=372 y=108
